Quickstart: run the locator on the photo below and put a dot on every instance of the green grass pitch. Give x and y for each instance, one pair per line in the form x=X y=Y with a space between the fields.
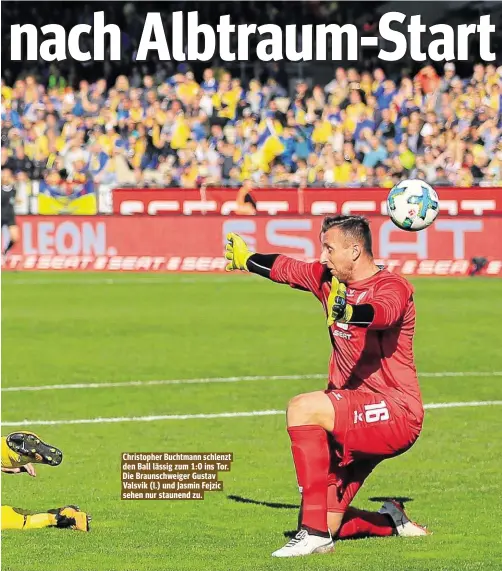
x=97 y=328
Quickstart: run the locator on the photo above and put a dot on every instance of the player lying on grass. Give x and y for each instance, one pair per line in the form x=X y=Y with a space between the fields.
x=372 y=408
x=20 y=450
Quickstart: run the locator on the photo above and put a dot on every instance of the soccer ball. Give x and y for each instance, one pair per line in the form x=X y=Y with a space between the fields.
x=413 y=205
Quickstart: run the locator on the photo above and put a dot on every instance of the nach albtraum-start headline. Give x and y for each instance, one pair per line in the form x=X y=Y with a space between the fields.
x=189 y=40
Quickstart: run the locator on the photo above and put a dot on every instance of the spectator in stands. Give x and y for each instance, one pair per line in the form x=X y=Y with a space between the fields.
x=245 y=203
x=23 y=167
x=375 y=154
x=449 y=76
x=7 y=161
x=428 y=80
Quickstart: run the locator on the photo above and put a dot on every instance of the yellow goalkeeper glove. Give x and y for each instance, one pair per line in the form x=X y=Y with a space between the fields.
x=338 y=309
x=237 y=253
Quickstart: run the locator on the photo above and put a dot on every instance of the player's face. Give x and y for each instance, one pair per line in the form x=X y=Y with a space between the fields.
x=337 y=254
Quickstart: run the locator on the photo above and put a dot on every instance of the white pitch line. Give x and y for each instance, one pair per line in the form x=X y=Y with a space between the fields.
x=208 y=380
x=213 y=415
x=463 y=374
x=144 y=418
x=461 y=404
x=163 y=382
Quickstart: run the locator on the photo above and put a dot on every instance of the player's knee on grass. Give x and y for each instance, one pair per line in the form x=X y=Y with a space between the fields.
x=311 y=409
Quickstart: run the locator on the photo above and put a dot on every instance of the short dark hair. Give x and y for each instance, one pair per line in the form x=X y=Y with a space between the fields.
x=352 y=226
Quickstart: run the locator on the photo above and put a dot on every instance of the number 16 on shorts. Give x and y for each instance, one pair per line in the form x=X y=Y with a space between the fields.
x=377 y=412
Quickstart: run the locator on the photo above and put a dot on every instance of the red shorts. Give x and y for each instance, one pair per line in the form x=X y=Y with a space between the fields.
x=368 y=429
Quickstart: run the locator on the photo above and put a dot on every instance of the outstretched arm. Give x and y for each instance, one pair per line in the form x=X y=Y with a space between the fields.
x=275 y=267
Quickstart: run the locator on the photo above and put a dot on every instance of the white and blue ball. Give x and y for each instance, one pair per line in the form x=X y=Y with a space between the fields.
x=413 y=205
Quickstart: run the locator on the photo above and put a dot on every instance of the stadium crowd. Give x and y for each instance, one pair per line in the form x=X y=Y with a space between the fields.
x=163 y=126
x=358 y=129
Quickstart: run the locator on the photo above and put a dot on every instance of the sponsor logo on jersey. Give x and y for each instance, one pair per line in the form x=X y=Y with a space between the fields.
x=342 y=334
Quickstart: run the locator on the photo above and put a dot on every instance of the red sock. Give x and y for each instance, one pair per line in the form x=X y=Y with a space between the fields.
x=359 y=523
x=309 y=445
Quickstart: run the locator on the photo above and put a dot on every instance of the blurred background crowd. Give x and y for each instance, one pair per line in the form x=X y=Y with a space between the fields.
x=163 y=124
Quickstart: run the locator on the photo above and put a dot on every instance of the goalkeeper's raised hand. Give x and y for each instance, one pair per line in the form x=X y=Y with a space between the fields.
x=237 y=253
x=338 y=308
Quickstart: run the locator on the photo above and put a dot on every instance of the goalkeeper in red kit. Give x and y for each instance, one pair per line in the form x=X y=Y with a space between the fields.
x=372 y=408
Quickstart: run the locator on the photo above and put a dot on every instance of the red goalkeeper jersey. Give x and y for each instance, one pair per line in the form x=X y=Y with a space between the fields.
x=378 y=357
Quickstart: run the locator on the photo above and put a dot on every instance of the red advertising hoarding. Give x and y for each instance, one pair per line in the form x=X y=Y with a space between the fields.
x=289 y=201
x=184 y=244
